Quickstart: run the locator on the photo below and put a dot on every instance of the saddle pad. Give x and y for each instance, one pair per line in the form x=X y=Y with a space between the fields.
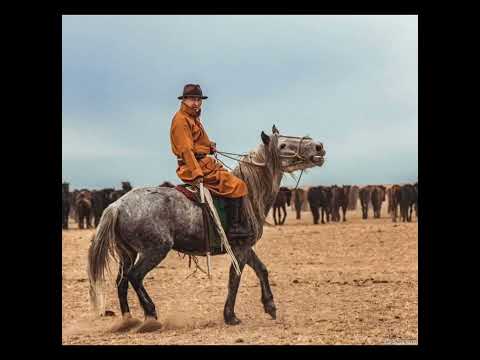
x=219 y=203
x=192 y=195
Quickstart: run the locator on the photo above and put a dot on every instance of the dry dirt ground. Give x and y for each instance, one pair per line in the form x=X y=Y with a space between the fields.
x=340 y=283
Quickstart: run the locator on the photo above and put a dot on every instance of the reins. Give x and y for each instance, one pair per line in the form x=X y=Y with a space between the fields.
x=252 y=162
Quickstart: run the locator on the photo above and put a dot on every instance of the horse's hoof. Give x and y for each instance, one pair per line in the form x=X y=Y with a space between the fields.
x=232 y=320
x=149 y=325
x=271 y=310
x=125 y=324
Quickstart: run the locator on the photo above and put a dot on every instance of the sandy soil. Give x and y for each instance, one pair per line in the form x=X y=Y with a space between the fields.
x=340 y=283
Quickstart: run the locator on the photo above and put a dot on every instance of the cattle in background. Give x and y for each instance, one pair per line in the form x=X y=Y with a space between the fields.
x=365 y=195
x=377 y=198
x=73 y=206
x=108 y=195
x=83 y=205
x=394 y=201
x=319 y=197
x=283 y=198
x=407 y=201
x=117 y=194
x=167 y=184
x=333 y=203
x=353 y=198
x=66 y=201
x=343 y=198
x=416 y=199
x=100 y=201
x=389 y=201
x=298 y=196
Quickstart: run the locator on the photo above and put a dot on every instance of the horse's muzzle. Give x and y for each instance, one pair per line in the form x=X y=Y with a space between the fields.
x=317 y=159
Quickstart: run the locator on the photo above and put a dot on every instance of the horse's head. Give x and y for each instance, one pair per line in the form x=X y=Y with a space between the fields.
x=294 y=152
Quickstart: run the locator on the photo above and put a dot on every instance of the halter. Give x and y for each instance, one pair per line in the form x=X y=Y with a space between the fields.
x=295 y=156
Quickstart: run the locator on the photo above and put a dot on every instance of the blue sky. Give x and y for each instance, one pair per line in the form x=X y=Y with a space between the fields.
x=349 y=81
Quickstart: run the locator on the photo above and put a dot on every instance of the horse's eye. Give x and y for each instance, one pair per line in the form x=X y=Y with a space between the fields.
x=283 y=146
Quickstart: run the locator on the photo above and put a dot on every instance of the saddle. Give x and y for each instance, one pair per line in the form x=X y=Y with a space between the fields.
x=211 y=235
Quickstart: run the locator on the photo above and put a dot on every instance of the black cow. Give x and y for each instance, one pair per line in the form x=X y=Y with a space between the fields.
x=343 y=197
x=283 y=198
x=377 y=198
x=115 y=195
x=100 y=201
x=319 y=197
x=65 y=205
x=167 y=184
x=365 y=195
x=407 y=201
x=394 y=201
x=416 y=199
x=334 y=204
x=298 y=198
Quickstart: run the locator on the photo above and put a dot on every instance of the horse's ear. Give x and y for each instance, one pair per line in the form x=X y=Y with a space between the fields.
x=265 y=138
x=275 y=130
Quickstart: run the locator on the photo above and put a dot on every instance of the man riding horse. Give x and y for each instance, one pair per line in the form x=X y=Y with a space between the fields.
x=191 y=144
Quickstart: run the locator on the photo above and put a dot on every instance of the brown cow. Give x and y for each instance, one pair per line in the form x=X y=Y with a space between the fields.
x=83 y=206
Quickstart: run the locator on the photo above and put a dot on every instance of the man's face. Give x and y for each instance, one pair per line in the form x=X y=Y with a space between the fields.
x=193 y=102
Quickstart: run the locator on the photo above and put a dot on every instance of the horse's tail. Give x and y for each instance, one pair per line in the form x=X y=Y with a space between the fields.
x=103 y=244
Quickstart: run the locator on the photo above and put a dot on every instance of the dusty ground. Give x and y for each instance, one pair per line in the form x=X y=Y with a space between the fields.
x=340 y=283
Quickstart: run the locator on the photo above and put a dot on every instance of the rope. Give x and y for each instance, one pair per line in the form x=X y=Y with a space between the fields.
x=251 y=162
x=298 y=180
x=228 y=167
x=221 y=232
x=224 y=152
x=197 y=266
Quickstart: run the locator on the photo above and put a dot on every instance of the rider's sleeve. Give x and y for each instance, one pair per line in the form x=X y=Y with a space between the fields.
x=181 y=136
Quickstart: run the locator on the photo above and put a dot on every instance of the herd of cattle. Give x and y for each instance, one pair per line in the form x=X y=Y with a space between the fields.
x=329 y=200
x=84 y=204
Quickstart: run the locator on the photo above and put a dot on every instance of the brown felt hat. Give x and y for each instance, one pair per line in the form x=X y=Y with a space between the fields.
x=192 y=90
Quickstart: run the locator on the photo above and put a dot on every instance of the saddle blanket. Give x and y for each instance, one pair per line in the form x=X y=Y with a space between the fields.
x=191 y=193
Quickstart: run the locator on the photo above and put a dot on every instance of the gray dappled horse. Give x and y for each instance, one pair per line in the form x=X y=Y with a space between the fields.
x=151 y=221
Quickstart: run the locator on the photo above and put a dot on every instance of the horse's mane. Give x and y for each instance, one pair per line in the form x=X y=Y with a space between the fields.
x=262 y=182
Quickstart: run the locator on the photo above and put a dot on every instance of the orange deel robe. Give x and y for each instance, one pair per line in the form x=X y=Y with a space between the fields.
x=187 y=136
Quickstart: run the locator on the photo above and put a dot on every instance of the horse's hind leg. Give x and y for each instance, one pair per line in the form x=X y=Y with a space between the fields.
x=148 y=260
x=233 y=282
x=262 y=273
x=127 y=321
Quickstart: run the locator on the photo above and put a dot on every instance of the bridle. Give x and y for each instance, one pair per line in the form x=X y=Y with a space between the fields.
x=296 y=156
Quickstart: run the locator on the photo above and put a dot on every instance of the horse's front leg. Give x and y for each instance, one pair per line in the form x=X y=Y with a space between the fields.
x=262 y=273
x=233 y=283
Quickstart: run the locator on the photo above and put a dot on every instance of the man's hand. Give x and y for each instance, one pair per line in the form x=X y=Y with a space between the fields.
x=213 y=148
x=198 y=180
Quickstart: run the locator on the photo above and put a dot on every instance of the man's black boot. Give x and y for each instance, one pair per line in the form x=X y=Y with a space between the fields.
x=238 y=229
